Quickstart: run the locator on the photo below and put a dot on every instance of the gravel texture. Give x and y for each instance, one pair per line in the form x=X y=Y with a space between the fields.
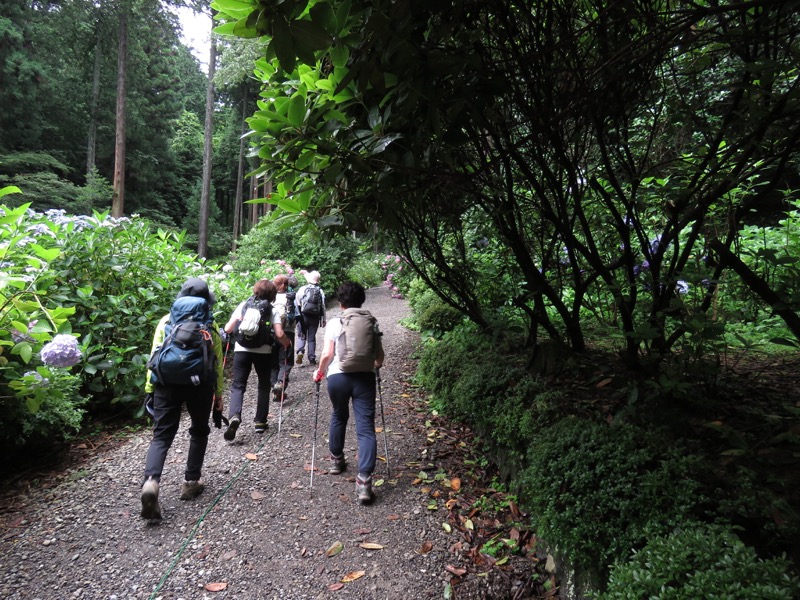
x=259 y=530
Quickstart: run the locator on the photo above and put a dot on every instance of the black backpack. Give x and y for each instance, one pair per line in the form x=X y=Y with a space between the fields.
x=312 y=301
x=258 y=336
x=291 y=309
x=186 y=356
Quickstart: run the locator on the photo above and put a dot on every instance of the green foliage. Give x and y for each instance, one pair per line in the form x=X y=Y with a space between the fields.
x=304 y=250
x=367 y=271
x=598 y=491
x=700 y=561
x=474 y=379
x=37 y=402
x=102 y=279
x=439 y=318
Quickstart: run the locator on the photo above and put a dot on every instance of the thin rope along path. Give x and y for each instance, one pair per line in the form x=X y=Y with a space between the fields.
x=219 y=497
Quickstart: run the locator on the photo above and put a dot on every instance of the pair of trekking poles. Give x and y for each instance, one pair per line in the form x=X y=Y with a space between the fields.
x=383 y=427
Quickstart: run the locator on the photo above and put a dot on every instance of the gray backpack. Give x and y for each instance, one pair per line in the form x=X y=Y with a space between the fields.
x=359 y=341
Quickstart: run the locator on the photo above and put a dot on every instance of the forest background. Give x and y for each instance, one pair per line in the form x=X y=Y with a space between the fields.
x=591 y=207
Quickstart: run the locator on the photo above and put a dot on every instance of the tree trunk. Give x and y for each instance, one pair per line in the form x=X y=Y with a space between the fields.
x=205 y=197
x=239 y=203
x=118 y=202
x=91 y=145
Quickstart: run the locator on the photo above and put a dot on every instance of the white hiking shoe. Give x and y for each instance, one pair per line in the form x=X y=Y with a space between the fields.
x=150 y=506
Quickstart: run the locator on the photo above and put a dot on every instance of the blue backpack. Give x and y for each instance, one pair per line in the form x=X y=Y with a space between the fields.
x=186 y=357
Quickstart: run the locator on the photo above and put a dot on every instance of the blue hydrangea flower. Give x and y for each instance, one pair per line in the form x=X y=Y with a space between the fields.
x=682 y=286
x=61 y=352
x=40 y=381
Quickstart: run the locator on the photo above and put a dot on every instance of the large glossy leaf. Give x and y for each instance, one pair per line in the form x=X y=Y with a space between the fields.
x=283 y=45
x=297 y=111
x=310 y=35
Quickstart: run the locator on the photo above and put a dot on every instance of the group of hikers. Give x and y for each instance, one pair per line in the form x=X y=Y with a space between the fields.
x=187 y=364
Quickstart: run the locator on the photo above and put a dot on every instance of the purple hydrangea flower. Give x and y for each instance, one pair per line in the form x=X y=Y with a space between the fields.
x=682 y=286
x=61 y=352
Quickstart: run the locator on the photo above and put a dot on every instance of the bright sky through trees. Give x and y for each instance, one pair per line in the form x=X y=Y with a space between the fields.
x=196 y=33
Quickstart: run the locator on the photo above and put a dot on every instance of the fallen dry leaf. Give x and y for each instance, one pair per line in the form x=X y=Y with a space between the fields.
x=335 y=548
x=256 y=495
x=605 y=382
x=363 y=531
x=353 y=576
x=455 y=570
x=425 y=548
x=371 y=546
x=295 y=435
x=393 y=517
x=455 y=483
x=251 y=456
x=335 y=586
x=216 y=586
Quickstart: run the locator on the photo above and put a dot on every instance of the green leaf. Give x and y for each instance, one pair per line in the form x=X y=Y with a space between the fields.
x=297 y=111
x=310 y=35
x=283 y=45
x=9 y=189
x=322 y=14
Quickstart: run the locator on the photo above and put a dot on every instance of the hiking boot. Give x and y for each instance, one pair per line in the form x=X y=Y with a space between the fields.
x=312 y=362
x=277 y=392
x=150 y=507
x=364 y=490
x=261 y=427
x=338 y=464
x=298 y=359
x=191 y=489
x=230 y=432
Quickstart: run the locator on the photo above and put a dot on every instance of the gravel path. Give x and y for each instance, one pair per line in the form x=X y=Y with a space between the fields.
x=258 y=530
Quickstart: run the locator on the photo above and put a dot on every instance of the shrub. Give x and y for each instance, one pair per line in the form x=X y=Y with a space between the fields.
x=440 y=318
x=366 y=271
x=598 y=491
x=303 y=249
x=700 y=561
x=477 y=380
x=104 y=280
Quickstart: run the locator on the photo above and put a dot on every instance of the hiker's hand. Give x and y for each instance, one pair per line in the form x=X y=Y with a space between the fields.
x=217 y=402
x=148 y=404
x=223 y=334
x=323 y=323
x=318 y=376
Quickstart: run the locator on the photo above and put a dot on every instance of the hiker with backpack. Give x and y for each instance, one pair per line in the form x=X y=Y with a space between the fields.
x=351 y=353
x=185 y=367
x=255 y=324
x=284 y=301
x=310 y=302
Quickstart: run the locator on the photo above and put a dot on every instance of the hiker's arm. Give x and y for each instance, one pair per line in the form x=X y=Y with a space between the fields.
x=158 y=339
x=281 y=336
x=230 y=326
x=324 y=360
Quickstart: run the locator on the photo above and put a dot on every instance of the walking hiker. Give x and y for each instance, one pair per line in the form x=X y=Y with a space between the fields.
x=310 y=302
x=254 y=350
x=284 y=301
x=188 y=372
x=351 y=352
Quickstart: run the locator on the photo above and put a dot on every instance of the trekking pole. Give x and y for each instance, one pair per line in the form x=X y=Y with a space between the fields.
x=314 y=443
x=283 y=391
x=383 y=424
